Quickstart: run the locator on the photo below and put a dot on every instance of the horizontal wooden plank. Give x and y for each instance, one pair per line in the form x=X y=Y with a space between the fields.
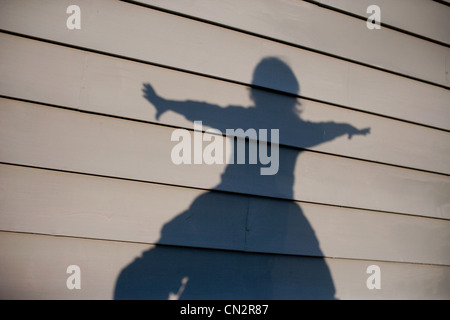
x=279 y=227
x=97 y=83
x=308 y=25
x=41 y=201
x=422 y=17
x=182 y=43
x=34 y=267
x=68 y=140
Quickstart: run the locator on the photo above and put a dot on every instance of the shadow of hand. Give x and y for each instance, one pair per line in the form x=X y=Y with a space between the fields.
x=151 y=95
x=356 y=132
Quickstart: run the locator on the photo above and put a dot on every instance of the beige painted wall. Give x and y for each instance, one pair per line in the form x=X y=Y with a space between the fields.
x=86 y=176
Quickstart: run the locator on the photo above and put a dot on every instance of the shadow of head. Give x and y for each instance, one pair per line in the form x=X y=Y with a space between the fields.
x=272 y=72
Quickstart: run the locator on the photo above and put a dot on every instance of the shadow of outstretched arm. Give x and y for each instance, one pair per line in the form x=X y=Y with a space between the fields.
x=332 y=130
x=191 y=110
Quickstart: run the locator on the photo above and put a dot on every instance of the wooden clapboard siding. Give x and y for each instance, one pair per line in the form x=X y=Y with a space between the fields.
x=50 y=202
x=113 y=86
x=68 y=140
x=86 y=176
x=348 y=37
x=34 y=267
x=422 y=17
x=211 y=50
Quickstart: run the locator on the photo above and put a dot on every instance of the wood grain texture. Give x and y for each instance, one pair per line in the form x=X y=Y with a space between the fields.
x=102 y=84
x=169 y=40
x=34 y=267
x=68 y=140
x=336 y=34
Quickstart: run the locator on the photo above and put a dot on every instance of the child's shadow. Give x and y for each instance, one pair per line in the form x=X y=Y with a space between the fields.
x=187 y=273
